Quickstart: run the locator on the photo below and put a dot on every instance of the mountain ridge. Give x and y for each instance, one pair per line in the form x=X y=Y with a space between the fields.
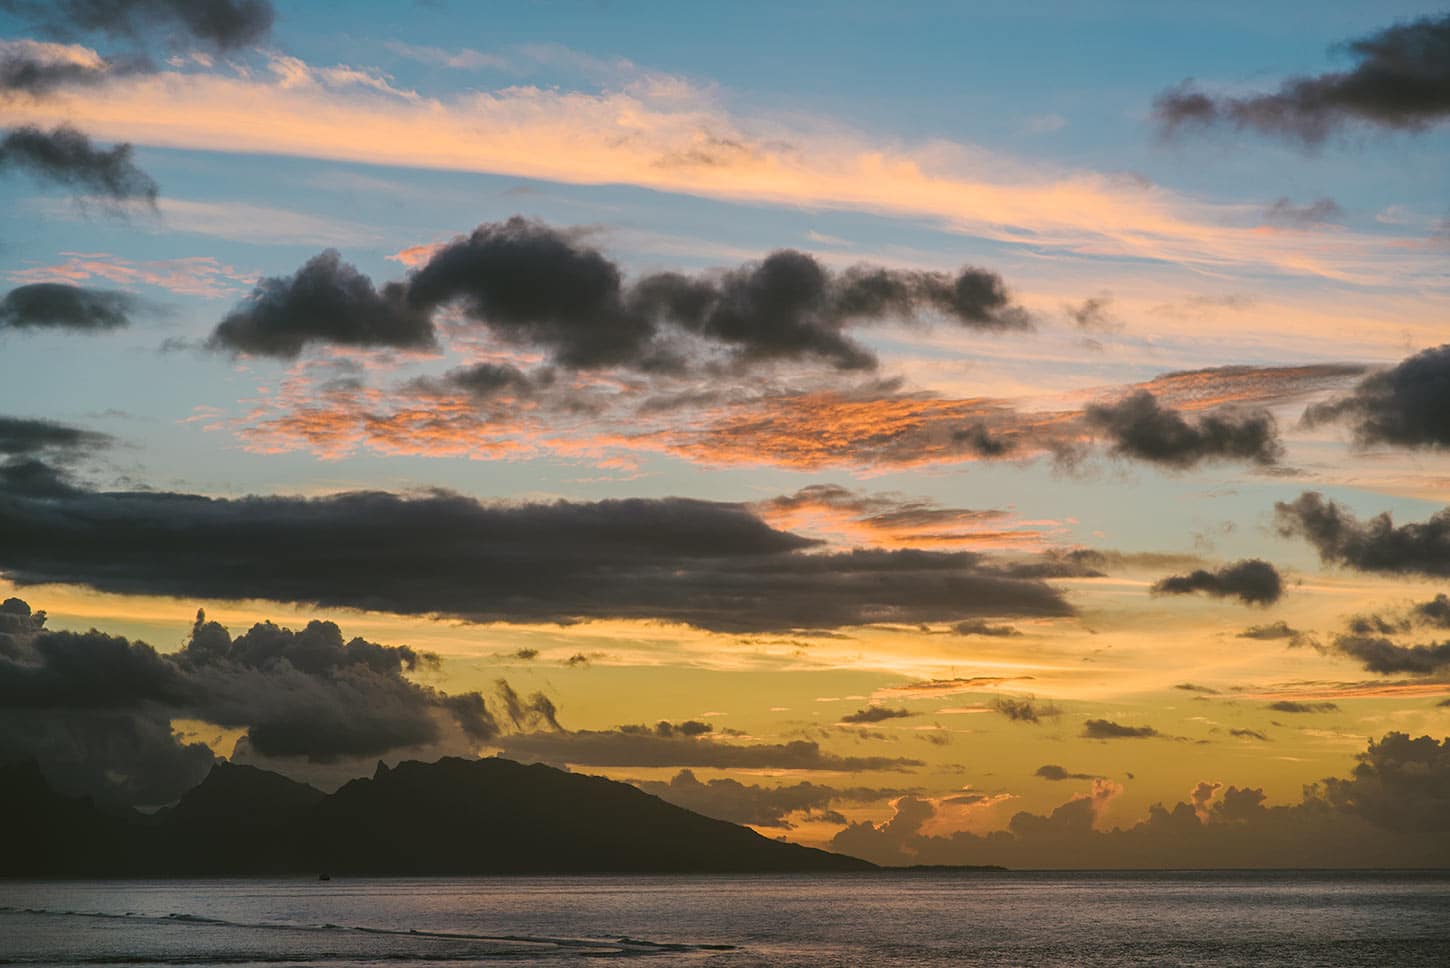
x=455 y=816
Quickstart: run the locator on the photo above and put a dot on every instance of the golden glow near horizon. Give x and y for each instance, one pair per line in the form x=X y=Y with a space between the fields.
x=1022 y=361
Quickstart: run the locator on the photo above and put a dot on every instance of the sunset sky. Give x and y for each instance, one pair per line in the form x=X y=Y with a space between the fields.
x=912 y=420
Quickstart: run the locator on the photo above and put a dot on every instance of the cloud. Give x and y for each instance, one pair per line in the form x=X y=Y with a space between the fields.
x=34 y=68
x=1192 y=687
x=1391 y=812
x=888 y=519
x=24 y=437
x=1024 y=709
x=979 y=627
x=1107 y=729
x=536 y=286
x=326 y=301
x=760 y=806
x=191 y=275
x=222 y=25
x=1276 y=631
x=53 y=305
x=1052 y=771
x=1252 y=581
x=1400 y=81
x=678 y=137
x=1138 y=426
x=1407 y=405
x=1092 y=314
x=1248 y=734
x=67 y=157
x=537 y=710
x=875 y=714
x=1285 y=214
x=1289 y=706
x=754 y=420
x=711 y=565
x=308 y=695
x=1400 y=784
x=35 y=452
x=645 y=747
x=1435 y=612
x=1386 y=657
x=1376 y=545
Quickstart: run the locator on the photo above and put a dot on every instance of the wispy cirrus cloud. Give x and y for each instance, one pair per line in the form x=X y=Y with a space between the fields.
x=189 y=275
x=665 y=133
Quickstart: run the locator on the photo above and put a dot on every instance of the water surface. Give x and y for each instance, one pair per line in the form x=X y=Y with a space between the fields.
x=920 y=919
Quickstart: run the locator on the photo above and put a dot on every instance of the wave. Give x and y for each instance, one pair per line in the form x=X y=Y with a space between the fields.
x=485 y=946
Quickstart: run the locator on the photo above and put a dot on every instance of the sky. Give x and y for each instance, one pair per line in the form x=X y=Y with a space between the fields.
x=942 y=433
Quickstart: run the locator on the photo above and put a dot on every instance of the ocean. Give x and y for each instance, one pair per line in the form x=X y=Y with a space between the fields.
x=1380 y=919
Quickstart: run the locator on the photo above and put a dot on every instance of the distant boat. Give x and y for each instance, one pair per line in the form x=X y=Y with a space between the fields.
x=324 y=877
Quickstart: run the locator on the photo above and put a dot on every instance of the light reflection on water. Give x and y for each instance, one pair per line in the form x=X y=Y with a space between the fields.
x=1052 y=919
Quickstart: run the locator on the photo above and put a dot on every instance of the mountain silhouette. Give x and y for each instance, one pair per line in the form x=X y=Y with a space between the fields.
x=456 y=816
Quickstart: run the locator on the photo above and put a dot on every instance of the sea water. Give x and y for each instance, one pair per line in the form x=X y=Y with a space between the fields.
x=1378 y=919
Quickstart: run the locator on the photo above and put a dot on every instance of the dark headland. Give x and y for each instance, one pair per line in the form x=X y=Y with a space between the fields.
x=453 y=817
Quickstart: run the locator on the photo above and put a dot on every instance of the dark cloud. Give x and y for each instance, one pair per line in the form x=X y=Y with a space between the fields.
x=326 y=301
x=1191 y=687
x=487 y=381
x=55 y=305
x=1289 y=706
x=1252 y=581
x=978 y=439
x=979 y=627
x=1052 y=771
x=1376 y=545
x=24 y=437
x=1107 y=729
x=537 y=710
x=1400 y=784
x=715 y=566
x=1279 y=631
x=1138 y=426
x=1391 y=812
x=1092 y=314
x=645 y=747
x=220 y=24
x=1400 y=81
x=664 y=729
x=1386 y=657
x=309 y=695
x=537 y=286
x=1285 y=214
x=760 y=806
x=875 y=714
x=1273 y=630
x=1407 y=405
x=30 y=451
x=1435 y=612
x=32 y=69
x=67 y=157
x=1248 y=734
x=789 y=306
x=1024 y=709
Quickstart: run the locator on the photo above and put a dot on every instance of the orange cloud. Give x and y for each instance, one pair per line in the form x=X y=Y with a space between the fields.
x=896 y=521
x=190 y=276
x=662 y=133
